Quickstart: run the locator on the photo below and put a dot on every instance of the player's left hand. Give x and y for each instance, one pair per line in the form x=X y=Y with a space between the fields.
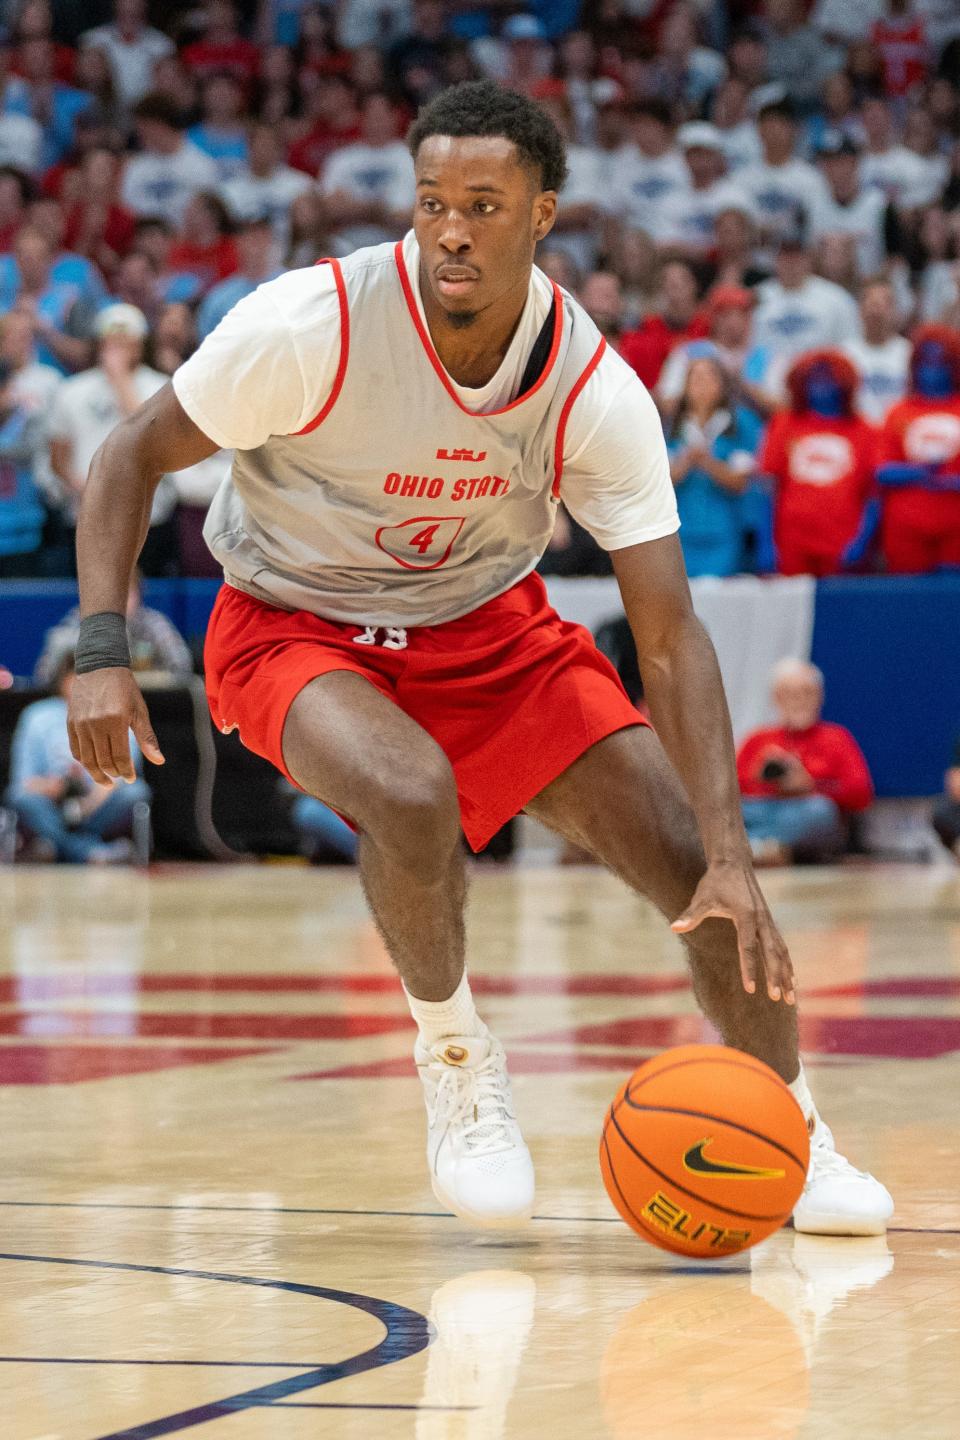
x=731 y=892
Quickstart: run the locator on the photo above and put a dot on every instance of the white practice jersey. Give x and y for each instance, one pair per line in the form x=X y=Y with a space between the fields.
x=369 y=488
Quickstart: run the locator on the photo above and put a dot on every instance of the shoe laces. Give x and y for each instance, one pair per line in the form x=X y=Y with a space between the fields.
x=826 y=1159
x=396 y=637
x=477 y=1102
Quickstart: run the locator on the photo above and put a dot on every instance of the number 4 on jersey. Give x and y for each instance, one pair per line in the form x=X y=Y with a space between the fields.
x=423 y=543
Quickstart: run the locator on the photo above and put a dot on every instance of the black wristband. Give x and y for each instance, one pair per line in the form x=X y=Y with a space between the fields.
x=102 y=642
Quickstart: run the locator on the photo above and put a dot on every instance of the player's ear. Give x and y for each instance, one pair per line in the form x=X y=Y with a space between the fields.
x=544 y=213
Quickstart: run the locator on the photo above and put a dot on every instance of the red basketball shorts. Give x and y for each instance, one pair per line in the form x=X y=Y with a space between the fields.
x=511 y=693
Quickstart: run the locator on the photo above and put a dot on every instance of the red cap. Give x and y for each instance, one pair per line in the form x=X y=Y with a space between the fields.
x=730 y=297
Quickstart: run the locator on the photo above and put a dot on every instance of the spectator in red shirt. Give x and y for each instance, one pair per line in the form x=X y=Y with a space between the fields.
x=802 y=778
x=97 y=225
x=919 y=460
x=901 y=42
x=206 y=248
x=222 y=46
x=331 y=119
x=647 y=347
x=821 y=457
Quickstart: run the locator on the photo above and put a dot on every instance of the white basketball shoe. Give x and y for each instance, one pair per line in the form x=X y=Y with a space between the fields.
x=837 y=1199
x=480 y=1167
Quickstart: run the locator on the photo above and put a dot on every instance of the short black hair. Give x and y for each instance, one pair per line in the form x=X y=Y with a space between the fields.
x=483 y=108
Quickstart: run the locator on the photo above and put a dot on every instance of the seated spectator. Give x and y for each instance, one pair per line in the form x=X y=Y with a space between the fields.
x=67 y=815
x=711 y=460
x=255 y=263
x=87 y=408
x=60 y=317
x=882 y=356
x=734 y=259
x=155 y=238
x=21 y=137
x=821 y=458
x=602 y=298
x=131 y=46
x=206 y=248
x=369 y=187
x=796 y=55
x=53 y=105
x=751 y=368
x=798 y=311
x=904 y=177
x=848 y=207
x=219 y=132
x=919 y=460
x=168 y=170
x=730 y=113
x=155 y=643
x=803 y=778
x=946 y=812
x=265 y=186
x=96 y=224
x=572 y=550
x=687 y=220
x=196 y=487
x=15 y=192
x=416 y=61
x=781 y=187
x=22 y=513
x=174 y=338
x=69 y=268
x=330 y=120
x=650 y=169
x=221 y=47
x=678 y=320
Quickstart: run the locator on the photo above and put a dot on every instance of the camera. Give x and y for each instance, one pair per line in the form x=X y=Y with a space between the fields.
x=773 y=770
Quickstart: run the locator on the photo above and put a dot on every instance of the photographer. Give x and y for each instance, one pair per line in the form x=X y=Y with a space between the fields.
x=64 y=814
x=800 y=779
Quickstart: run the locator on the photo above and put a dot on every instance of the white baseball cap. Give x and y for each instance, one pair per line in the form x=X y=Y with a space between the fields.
x=121 y=319
x=700 y=134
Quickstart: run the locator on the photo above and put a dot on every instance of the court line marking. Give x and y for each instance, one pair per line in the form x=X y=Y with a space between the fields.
x=376 y=1214
x=407 y=1333
x=211 y=1364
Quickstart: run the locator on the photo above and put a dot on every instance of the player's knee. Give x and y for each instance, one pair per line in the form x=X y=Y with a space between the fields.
x=416 y=814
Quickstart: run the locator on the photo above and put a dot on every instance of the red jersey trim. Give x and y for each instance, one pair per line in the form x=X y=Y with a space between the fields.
x=338 y=379
x=568 y=405
x=434 y=358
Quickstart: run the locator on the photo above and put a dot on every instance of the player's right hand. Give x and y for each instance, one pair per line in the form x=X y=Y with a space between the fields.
x=105 y=705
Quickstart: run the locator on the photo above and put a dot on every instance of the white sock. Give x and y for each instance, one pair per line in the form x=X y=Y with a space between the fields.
x=800 y=1091
x=437 y=1019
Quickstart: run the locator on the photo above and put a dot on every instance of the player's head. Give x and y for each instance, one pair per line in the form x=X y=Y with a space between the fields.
x=935 y=362
x=489 y=164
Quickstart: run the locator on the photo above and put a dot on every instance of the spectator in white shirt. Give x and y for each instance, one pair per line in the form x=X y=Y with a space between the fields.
x=168 y=171
x=782 y=187
x=369 y=186
x=650 y=168
x=848 y=208
x=882 y=356
x=689 y=219
x=905 y=178
x=132 y=47
x=21 y=137
x=799 y=311
x=265 y=186
x=89 y=405
x=730 y=112
x=921 y=139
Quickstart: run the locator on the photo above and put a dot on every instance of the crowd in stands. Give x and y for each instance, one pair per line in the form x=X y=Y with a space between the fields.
x=762 y=215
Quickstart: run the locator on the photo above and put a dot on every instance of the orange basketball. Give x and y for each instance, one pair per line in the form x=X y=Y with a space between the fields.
x=704 y=1151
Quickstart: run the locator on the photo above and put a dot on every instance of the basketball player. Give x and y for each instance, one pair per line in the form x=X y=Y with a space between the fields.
x=405 y=425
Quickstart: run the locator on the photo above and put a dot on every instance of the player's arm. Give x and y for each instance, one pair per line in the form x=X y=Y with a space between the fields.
x=114 y=516
x=683 y=688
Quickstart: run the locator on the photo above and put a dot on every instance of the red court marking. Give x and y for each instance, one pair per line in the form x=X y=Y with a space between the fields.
x=65 y=1064
x=899 y=987
x=75 y=984
x=899 y=1037
x=252 y=1026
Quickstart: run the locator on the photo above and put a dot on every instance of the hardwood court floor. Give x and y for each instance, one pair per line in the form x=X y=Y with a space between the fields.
x=216 y=1219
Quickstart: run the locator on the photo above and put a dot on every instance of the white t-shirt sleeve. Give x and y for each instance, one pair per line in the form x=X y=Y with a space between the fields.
x=615 y=479
x=269 y=366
